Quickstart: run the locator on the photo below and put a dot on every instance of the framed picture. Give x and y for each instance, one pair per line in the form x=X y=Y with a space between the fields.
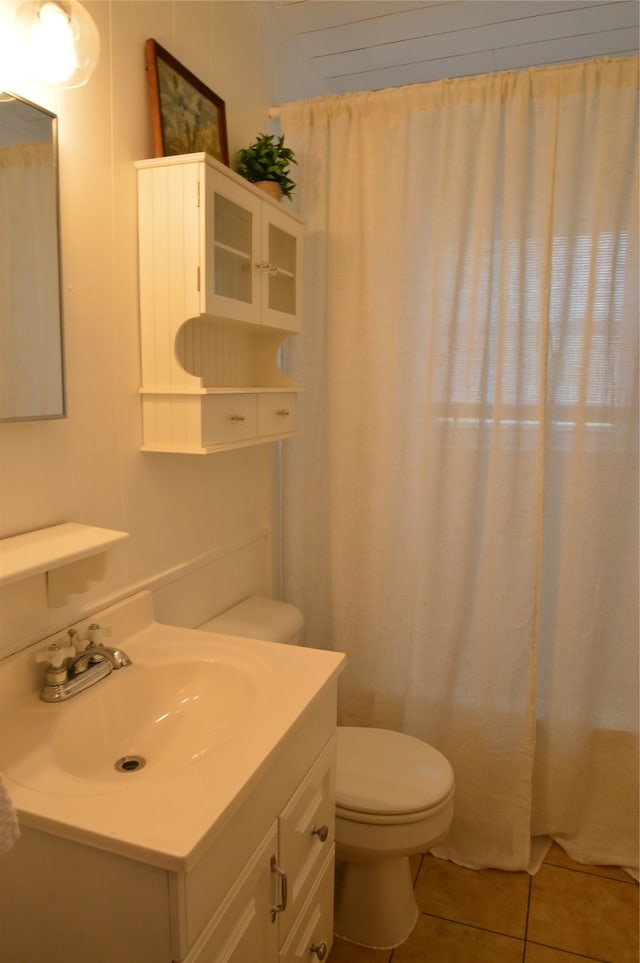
x=187 y=117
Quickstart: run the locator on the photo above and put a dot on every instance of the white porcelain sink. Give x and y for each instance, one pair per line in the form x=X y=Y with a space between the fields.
x=140 y=723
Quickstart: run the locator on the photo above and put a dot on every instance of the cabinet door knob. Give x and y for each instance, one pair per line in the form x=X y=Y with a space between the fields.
x=284 y=895
x=237 y=418
x=283 y=413
x=320 y=949
x=321 y=832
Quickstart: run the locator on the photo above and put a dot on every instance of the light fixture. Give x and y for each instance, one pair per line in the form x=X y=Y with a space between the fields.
x=59 y=42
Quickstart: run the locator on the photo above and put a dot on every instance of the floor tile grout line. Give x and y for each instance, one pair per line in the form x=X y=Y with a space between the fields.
x=560 y=949
x=526 y=921
x=472 y=926
x=586 y=872
x=524 y=940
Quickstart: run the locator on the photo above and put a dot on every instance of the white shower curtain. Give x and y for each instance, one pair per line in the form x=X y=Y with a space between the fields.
x=461 y=515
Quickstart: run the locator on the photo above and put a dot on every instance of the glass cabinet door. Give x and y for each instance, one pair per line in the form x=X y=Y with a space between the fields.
x=253 y=257
x=232 y=238
x=231 y=235
x=283 y=244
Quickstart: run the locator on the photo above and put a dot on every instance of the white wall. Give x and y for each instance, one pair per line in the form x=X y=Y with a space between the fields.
x=181 y=511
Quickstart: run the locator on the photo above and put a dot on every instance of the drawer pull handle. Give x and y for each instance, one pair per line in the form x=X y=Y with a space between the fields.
x=321 y=832
x=283 y=413
x=282 y=876
x=320 y=949
x=237 y=418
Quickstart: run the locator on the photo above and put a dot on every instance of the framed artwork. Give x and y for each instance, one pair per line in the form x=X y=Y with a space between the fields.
x=187 y=117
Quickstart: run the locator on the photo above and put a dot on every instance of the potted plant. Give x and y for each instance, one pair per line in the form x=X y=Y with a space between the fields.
x=266 y=164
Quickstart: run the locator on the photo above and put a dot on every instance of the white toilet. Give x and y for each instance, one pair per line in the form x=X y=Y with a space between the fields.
x=394 y=799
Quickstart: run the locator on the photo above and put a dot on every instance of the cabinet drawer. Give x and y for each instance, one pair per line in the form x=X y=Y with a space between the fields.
x=276 y=413
x=228 y=418
x=312 y=936
x=307 y=830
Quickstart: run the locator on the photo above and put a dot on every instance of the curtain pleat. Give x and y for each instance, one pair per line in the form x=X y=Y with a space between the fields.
x=461 y=515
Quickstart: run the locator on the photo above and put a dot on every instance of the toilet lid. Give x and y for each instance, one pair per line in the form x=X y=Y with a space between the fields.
x=385 y=772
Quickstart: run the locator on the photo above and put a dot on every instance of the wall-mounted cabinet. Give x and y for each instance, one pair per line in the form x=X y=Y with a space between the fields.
x=220 y=290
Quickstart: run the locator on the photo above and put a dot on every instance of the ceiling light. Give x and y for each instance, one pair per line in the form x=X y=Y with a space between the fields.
x=59 y=42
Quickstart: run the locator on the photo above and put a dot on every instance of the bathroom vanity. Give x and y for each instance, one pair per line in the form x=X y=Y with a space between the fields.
x=220 y=848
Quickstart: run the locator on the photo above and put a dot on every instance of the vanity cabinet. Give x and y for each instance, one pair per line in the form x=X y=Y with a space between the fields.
x=220 y=290
x=222 y=903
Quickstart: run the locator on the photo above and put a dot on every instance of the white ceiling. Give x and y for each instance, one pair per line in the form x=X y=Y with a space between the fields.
x=370 y=44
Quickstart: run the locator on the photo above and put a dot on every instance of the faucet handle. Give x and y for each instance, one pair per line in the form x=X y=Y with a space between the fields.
x=95 y=632
x=55 y=654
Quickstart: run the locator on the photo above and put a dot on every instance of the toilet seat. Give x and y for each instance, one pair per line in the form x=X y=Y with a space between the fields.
x=388 y=777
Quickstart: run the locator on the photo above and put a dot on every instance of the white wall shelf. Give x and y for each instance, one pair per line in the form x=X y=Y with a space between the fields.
x=56 y=552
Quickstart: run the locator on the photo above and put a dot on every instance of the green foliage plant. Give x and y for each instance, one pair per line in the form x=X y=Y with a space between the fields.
x=267 y=159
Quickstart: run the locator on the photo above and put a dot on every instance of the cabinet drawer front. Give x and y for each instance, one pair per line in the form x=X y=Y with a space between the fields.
x=307 y=830
x=228 y=418
x=276 y=413
x=314 y=926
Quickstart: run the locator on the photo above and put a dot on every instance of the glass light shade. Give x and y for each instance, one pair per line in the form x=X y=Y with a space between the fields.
x=60 y=42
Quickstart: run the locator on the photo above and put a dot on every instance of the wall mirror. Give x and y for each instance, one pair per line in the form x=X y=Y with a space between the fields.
x=31 y=351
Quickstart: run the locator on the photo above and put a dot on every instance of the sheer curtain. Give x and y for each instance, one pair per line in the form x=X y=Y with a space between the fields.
x=461 y=515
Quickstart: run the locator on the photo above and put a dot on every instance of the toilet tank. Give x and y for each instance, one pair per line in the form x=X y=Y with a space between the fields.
x=259 y=618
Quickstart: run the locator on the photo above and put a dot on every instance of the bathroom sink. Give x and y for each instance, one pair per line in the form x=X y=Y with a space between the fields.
x=208 y=713
x=140 y=723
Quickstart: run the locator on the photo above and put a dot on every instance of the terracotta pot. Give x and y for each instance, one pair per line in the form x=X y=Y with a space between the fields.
x=270 y=187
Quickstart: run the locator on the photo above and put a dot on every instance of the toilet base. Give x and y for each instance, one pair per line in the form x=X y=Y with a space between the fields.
x=375 y=904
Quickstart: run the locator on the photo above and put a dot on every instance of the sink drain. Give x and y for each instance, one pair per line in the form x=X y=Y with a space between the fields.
x=130 y=763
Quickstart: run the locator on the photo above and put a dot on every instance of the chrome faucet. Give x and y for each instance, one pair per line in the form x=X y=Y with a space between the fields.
x=70 y=671
x=95 y=651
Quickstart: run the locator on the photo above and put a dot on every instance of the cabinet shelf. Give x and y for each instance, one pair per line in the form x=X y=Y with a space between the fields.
x=219 y=390
x=227 y=446
x=233 y=250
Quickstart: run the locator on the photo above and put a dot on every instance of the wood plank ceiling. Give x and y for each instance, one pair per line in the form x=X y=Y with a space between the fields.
x=362 y=45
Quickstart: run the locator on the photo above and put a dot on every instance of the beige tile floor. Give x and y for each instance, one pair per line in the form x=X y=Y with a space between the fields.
x=567 y=913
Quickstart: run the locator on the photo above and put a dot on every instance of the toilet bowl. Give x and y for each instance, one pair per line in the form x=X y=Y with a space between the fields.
x=394 y=799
